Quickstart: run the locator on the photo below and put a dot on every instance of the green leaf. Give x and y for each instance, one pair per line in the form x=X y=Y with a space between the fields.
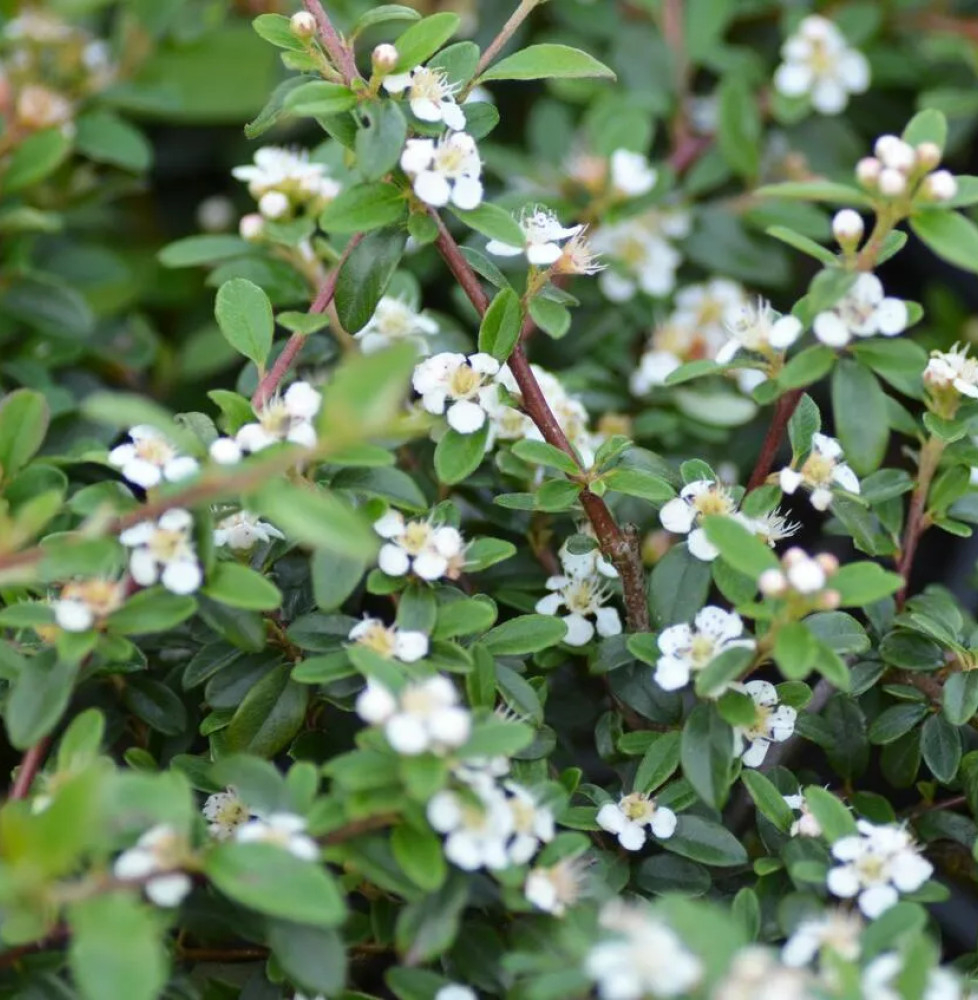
x=709 y=843
x=38 y=156
x=805 y=422
x=319 y=99
x=836 y=194
x=467 y=616
x=723 y=669
x=806 y=367
x=547 y=61
x=940 y=745
x=896 y=721
x=803 y=243
x=244 y=314
x=270 y=880
x=496 y=737
x=457 y=456
x=678 y=586
x=541 y=453
x=314 y=957
x=419 y=853
x=364 y=277
x=859 y=409
x=427 y=928
x=381 y=14
x=99 y=966
x=207 y=249
x=950 y=235
x=277 y=30
x=739 y=126
x=861 y=583
x=151 y=611
x=492 y=222
x=769 y=801
x=959 y=697
x=380 y=139
x=48 y=305
x=269 y=716
x=241 y=587
x=638 y=483
x=833 y=817
x=795 y=650
x=106 y=138
x=273 y=110
x=363 y=207
x=739 y=546
x=38 y=699
x=552 y=317
x=312 y=516
x=525 y=634
x=24 y=418
x=500 y=327
x=658 y=764
x=334 y=578
x=424 y=38
x=707 y=754
x=928 y=125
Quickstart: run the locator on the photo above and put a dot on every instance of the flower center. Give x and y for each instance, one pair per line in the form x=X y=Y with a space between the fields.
x=418 y=701
x=818 y=468
x=523 y=815
x=415 y=537
x=761 y=727
x=637 y=807
x=167 y=545
x=701 y=650
x=580 y=597
x=712 y=501
x=450 y=159
x=275 y=418
x=101 y=596
x=872 y=868
x=231 y=813
x=154 y=450
x=464 y=382
x=379 y=639
x=426 y=84
x=633 y=251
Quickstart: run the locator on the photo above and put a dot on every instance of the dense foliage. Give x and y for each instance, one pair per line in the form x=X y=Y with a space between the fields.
x=345 y=651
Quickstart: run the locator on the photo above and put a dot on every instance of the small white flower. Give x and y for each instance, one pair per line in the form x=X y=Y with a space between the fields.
x=879 y=981
x=642 y=958
x=429 y=551
x=645 y=261
x=686 y=650
x=876 y=865
x=446 y=171
x=285 y=830
x=160 y=849
x=773 y=723
x=819 y=64
x=216 y=214
x=699 y=499
x=822 y=469
x=710 y=307
x=225 y=812
x=835 y=931
x=629 y=817
x=631 y=174
x=455 y=991
x=425 y=716
x=164 y=551
x=457 y=386
x=282 y=418
x=290 y=173
x=243 y=530
x=430 y=95
x=578 y=256
x=543 y=235
x=393 y=321
x=390 y=642
x=587 y=564
x=862 y=312
x=771 y=527
x=952 y=370
x=149 y=458
x=477 y=824
x=583 y=598
x=83 y=603
x=756 y=974
x=758 y=328
x=533 y=823
x=556 y=888
x=806 y=825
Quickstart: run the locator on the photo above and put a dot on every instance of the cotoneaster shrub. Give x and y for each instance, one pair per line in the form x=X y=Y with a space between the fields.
x=349 y=652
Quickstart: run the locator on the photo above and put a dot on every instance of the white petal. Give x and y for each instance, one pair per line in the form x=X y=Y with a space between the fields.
x=375 y=703
x=543 y=254
x=877 y=899
x=430 y=566
x=793 y=79
x=451 y=726
x=406 y=734
x=785 y=332
x=677 y=516
x=671 y=674
x=432 y=188
x=444 y=811
x=789 y=480
x=608 y=622
x=410 y=646
x=892 y=317
x=466 y=417
x=911 y=871
x=842 y=881
x=829 y=96
x=550 y=604
x=754 y=755
x=73 y=616
x=831 y=330
x=467 y=193
x=632 y=837
x=701 y=547
x=143 y=568
x=142 y=473
x=503 y=249
x=611 y=818
x=169 y=890
x=663 y=822
x=182 y=577
x=853 y=69
x=675 y=638
x=579 y=630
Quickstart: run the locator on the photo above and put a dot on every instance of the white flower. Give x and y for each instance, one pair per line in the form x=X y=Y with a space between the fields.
x=533 y=823
x=290 y=173
x=758 y=328
x=556 y=888
x=578 y=256
x=835 y=931
x=710 y=307
x=862 y=312
x=424 y=716
x=631 y=174
x=225 y=812
x=756 y=974
x=285 y=830
x=477 y=824
x=160 y=849
x=393 y=321
x=629 y=817
x=773 y=723
x=149 y=458
x=429 y=551
x=446 y=171
x=819 y=64
x=430 y=95
x=583 y=598
x=696 y=500
x=806 y=825
x=643 y=958
x=687 y=650
x=457 y=386
x=163 y=550
x=83 y=603
x=879 y=981
x=282 y=418
x=455 y=991
x=586 y=564
x=770 y=528
x=543 y=235
x=390 y=642
x=821 y=470
x=645 y=261
x=952 y=370
x=876 y=865
x=243 y=530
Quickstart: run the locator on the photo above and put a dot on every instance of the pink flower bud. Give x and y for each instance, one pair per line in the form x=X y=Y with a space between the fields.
x=847 y=227
x=928 y=155
x=772 y=583
x=384 y=58
x=892 y=183
x=302 y=25
x=868 y=171
x=250 y=227
x=940 y=186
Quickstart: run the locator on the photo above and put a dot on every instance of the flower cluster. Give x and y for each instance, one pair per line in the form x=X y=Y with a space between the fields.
x=83 y=604
x=949 y=375
x=163 y=551
x=156 y=860
x=624 y=174
x=423 y=717
x=286 y=418
x=148 y=458
x=229 y=817
x=823 y=469
x=428 y=550
x=688 y=649
x=243 y=530
x=683 y=514
x=284 y=183
x=863 y=311
x=774 y=722
x=631 y=815
x=445 y=171
x=757 y=328
x=389 y=641
x=896 y=170
x=457 y=386
x=395 y=321
x=802 y=576
x=429 y=95
x=543 y=238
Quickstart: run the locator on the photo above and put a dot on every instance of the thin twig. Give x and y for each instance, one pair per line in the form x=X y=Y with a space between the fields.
x=507 y=31
x=621 y=547
x=783 y=411
x=29 y=766
x=358 y=827
x=273 y=378
x=339 y=52
x=930 y=457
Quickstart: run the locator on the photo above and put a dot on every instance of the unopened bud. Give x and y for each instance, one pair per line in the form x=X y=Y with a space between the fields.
x=772 y=583
x=847 y=227
x=892 y=183
x=895 y=153
x=273 y=204
x=303 y=24
x=250 y=227
x=829 y=600
x=928 y=155
x=384 y=58
x=940 y=186
x=868 y=171
x=828 y=562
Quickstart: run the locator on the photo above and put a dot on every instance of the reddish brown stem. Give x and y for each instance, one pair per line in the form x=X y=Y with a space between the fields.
x=273 y=378
x=338 y=51
x=29 y=766
x=783 y=410
x=917 y=521
x=621 y=547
